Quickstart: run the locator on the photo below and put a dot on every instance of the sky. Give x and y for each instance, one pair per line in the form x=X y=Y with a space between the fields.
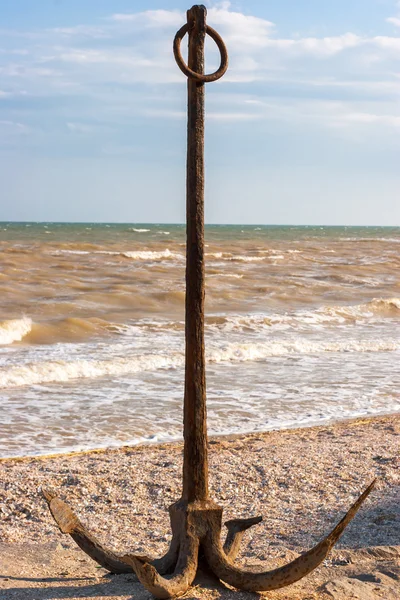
x=304 y=128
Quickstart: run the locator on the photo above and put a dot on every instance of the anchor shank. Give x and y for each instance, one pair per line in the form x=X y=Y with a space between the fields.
x=195 y=467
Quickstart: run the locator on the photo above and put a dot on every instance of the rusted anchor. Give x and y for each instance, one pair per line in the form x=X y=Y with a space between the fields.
x=196 y=520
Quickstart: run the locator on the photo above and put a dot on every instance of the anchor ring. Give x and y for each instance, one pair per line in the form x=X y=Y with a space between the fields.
x=192 y=74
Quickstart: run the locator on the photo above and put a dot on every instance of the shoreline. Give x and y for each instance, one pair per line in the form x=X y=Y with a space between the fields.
x=301 y=480
x=211 y=438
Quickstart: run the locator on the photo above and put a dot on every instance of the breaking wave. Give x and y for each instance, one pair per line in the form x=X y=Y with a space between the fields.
x=374 y=310
x=152 y=255
x=245 y=259
x=146 y=255
x=70 y=329
x=56 y=371
x=370 y=239
x=14 y=330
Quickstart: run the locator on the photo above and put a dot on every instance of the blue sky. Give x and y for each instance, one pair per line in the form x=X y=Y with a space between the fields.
x=303 y=129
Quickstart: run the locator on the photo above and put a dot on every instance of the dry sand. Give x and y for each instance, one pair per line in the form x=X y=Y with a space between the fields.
x=301 y=480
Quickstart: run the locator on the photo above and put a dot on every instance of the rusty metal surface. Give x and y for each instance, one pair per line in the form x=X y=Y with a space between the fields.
x=195 y=464
x=189 y=70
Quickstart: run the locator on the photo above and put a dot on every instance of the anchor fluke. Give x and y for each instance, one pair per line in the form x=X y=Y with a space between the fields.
x=180 y=580
x=69 y=523
x=236 y=530
x=282 y=576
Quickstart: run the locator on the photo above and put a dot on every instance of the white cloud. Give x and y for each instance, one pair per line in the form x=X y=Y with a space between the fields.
x=319 y=47
x=152 y=18
x=24 y=71
x=91 y=57
x=394 y=21
x=369 y=118
x=14 y=127
x=81 y=31
x=245 y=31
x=298 y=79
x=12 y=94
x=387 y=43
x=224 y=5
x=14 y=51
x=312 y=113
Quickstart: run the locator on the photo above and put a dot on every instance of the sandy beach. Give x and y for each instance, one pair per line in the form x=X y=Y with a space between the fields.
x=301 y=481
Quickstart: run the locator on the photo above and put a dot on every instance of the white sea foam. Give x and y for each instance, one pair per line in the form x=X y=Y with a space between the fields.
x=61 y=371
x=240 y=258
x=57 y=371
x=371 y=239
x=152 y=255
x=60 y=252
x=14 y=330
x=214 y=254
x=229 y=275
x=253 y=351
x=373 y=311
x=139 y=230
x=147 y=255
x=379 y=303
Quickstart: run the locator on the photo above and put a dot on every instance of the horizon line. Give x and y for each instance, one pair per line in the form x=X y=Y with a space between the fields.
x=183 y=224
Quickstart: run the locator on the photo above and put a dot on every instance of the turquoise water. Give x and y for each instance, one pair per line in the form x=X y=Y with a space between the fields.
x=63 y=231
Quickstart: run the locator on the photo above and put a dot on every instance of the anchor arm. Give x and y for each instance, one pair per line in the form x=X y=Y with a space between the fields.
x=236 y=530
x=282 y=576
x=69 y=523
x=181 y=579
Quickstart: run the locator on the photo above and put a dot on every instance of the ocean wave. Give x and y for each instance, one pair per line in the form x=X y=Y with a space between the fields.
x=240 y=258
x=215 y=254
x=229 y=257
x=70 y=329
x=60 y=252
x=62 y=371
x=14 y=330
x=261 y=351
x=370 y=239
x=391 y=305
x=138 y=230
x=65 y=330
x=228 y=275
x=146 y=255
x=149 y=255
x=374 y=310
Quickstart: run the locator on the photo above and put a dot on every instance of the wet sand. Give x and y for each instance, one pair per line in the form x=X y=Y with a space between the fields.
x=301 y=480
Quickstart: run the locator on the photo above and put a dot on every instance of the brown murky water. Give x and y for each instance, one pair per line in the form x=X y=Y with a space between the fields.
x=302 y=327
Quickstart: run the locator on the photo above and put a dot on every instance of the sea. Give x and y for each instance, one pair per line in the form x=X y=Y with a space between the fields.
x=302 y=328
